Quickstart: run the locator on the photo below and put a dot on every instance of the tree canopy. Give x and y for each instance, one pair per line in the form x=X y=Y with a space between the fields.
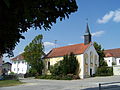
x=101 y=54
x=33 y=54
x=18 y=16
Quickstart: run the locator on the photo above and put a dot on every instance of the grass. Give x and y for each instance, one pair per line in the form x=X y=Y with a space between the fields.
x=6 y=83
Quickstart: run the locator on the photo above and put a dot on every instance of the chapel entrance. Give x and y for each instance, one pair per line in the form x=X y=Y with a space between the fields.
x=90 y=72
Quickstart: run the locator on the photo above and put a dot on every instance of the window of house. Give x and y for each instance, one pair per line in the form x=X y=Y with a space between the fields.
x=109 y=60
x=22 y=62
x=48 y=65
x=18 y=69
x=119 y=61
x=14 y=69
x=14 y=62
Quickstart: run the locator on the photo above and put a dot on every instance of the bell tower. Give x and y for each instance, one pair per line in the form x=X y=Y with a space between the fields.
x=87 y=35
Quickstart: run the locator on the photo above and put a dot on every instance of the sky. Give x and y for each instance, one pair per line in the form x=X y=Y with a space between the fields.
x=104 y=24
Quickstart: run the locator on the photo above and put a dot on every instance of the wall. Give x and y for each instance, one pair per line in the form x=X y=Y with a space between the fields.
x=92 y=62
x=1 y=65
x=116 y=70
x=109 y=60
x=117 y=61
x=19 y=67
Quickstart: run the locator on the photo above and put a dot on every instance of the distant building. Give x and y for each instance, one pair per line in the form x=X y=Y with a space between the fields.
x=1 y=62
x=6 y=67
x=19 y=65
x=86 y=54
x=112 y=56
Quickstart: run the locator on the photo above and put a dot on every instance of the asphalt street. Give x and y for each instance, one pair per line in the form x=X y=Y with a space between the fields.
x=112 y=83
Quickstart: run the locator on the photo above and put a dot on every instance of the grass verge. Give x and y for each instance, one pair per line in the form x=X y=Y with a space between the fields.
x=6 y=83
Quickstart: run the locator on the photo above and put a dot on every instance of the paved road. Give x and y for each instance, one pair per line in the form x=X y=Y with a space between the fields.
x=85 y=84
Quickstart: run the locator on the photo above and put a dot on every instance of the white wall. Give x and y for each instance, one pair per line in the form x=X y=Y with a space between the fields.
x=117 y=61
x=116 y=70
x=88 y=50
x=109 y=60
x=19 y=67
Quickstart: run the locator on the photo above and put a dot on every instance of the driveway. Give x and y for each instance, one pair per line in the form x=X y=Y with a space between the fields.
x=85 y=84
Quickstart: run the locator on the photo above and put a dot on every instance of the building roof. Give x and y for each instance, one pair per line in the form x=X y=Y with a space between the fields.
x=7 y=63
x=61 y=51
x=87 y=32
x=112 y=52
x=19 y=57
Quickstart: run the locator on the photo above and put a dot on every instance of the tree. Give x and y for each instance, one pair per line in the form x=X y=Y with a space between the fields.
x=18 y=16
x=68 y=65
x=33 y=54
x=101 y=54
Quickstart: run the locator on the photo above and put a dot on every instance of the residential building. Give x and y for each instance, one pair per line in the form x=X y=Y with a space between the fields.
x=112 y=56
x=86 y=55
x=6 y=67
x=19 y=65
x=1 y=66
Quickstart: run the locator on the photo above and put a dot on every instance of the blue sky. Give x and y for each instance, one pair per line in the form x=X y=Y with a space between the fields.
x=104 y=23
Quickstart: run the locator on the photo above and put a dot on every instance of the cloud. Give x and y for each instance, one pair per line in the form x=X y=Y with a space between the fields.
x=97 y=34
x=106 y=17
x=112 y=15
x=49 y=44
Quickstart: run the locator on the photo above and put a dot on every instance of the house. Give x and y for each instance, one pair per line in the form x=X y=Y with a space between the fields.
x=19 y=65
x=6 y=67
x=86 y=55
x=112 y=56
x=1 y=66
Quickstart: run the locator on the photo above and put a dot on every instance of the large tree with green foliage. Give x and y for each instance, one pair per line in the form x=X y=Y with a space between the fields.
x=33 y=54
x=101 y=54
x=18 y=16
x=68 y=65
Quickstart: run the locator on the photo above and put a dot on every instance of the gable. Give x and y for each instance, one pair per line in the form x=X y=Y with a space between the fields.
x=61 y=51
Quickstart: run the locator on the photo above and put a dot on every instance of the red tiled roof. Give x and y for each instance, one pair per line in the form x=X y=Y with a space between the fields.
x=112 y=52
x=19 y=57
x=61 y=51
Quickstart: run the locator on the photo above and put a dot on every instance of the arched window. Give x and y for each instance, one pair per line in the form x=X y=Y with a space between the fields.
x=91 y=57
x=86 y=58
x=96 y=60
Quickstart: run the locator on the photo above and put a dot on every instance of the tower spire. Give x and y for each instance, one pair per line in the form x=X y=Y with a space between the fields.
x=87 y=35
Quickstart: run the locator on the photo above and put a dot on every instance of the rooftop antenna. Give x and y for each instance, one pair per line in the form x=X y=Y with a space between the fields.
x=55 y=43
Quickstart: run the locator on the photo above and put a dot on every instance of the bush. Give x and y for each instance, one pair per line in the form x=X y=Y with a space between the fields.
x=10 y=77
x=68 y=65
x=104 y=71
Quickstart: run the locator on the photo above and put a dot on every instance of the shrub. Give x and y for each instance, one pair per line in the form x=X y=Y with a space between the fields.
x=68 y=65
x=104 y=71
x=10 y=77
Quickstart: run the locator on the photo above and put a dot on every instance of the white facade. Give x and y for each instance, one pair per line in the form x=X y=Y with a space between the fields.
x=116 y=70
x=19 y=66
x=91 y=61
x=110 y=60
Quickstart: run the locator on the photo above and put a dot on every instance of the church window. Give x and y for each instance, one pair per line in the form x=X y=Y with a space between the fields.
x=91 y=58
x=96 y=59
x=86 y=58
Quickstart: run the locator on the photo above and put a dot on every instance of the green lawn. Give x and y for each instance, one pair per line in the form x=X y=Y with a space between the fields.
x=5 y=83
